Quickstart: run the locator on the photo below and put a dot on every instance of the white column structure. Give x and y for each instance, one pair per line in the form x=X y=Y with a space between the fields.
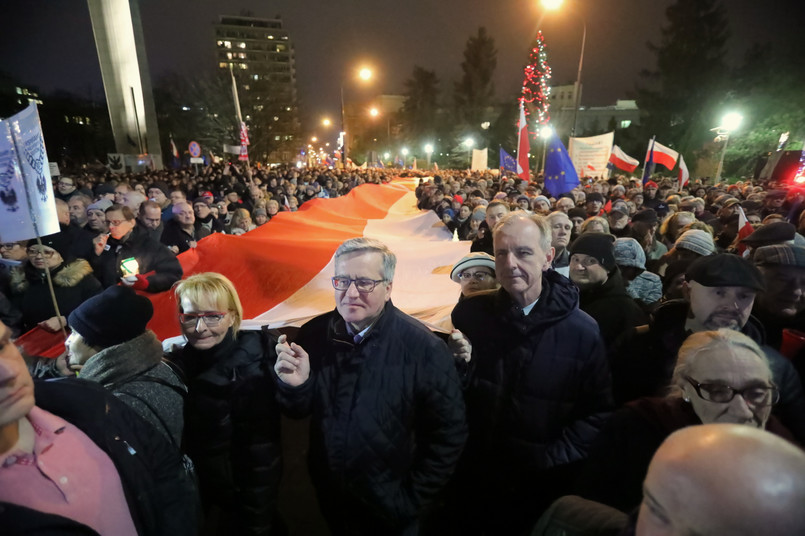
x=119 y=39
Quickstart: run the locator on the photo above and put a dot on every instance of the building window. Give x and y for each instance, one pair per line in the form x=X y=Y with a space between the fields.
x=222 y=64
x=228 y=44
x=242 y=45
x=625 y=123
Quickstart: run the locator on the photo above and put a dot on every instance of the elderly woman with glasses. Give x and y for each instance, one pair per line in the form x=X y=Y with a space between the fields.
x=231 y=420
x=73 y=283
x=720 y=377
x=475 y=273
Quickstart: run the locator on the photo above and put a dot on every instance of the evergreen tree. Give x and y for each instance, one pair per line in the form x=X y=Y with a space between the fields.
x=536 y=90
x=691 y=76
x=419 y=111
x=474 y=92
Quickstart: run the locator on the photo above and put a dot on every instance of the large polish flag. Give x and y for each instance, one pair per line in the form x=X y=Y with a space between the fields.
x=282 y=269
x=663 y=155
x=684 y=174
x=623 y=161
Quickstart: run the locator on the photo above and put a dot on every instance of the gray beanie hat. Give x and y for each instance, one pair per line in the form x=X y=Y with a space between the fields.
x=477 y=258
x=697 y=241
x=628 y=252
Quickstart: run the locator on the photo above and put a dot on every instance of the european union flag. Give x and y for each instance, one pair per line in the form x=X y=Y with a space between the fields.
x=560 y=175
x=507 y=161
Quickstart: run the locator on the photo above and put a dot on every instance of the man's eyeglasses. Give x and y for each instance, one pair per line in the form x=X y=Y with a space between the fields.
x=363 y=285
x=211 y=320
x=33 y=252
x=758 y=395
x=478 y=276
x=65 y=183
x=9 y=245
x=114 y=223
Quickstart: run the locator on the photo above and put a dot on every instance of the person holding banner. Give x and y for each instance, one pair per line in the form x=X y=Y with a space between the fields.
x=149 y=265
x=73 y=283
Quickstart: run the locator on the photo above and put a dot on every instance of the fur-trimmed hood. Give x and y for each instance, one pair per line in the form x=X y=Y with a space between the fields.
x=67 y=275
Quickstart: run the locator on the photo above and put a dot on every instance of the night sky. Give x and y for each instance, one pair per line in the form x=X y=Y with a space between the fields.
x=48 y=43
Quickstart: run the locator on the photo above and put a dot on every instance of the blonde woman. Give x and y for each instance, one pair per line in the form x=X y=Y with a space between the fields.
x=231 y=420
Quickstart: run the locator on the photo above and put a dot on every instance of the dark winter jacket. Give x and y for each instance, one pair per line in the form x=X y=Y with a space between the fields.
x=484 y=240
x=160 y=496
x=174 y=235
x=620 y=456
x=73 y=283
x=151 y=257
x=134 y=372
x=232 y=428
x=612 y=308
x=643 y=364
x=387 y=425
x=538 y=393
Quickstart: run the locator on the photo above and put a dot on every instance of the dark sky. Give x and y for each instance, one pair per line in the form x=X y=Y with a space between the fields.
x=49 y=43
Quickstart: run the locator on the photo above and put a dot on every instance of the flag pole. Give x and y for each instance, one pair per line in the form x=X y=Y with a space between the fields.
x=649 y=156
x=34 y=222
x=239 y=116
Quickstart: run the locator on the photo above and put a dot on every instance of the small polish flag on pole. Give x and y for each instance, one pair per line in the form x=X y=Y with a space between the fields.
x=522 y=146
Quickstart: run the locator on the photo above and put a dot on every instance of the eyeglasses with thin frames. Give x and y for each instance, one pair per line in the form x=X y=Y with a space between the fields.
x=362 y=284
x=210 y=319
x=34 y=252
x=478 y=276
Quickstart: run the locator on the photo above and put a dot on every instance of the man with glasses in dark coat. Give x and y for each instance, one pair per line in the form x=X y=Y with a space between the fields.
x=387 y=412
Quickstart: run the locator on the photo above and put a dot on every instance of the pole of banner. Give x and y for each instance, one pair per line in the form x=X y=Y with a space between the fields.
x=645 y=162
x=239 y=117
x=62 y=325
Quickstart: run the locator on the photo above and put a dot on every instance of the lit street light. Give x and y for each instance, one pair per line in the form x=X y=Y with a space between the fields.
x=469 y=142
x=545 y=133
x=428 y=151
x=326 y=122
x=729 y=123
x=314 y=139
x=364 y=74
x=373 y=112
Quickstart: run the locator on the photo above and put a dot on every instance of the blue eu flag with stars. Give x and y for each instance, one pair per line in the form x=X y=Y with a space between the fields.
x=507 y=161
x=560 y=175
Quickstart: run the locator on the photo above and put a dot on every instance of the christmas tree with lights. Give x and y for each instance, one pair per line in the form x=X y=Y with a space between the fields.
x=536 y=74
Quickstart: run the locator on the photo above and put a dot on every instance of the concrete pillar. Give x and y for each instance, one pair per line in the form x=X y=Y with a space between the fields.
x=126 y=79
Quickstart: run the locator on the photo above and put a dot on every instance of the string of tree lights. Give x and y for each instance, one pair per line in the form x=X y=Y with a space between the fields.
x=536 y=91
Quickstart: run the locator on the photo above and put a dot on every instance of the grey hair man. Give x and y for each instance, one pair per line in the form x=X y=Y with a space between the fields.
x=531 y=417
x=388 y=424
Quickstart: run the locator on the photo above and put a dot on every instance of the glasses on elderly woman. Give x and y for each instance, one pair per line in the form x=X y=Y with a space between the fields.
x=478 y=276
x=756 y=395
x=211 y=320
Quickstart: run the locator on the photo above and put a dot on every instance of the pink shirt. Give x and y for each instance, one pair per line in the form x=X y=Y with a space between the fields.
x=67 y=475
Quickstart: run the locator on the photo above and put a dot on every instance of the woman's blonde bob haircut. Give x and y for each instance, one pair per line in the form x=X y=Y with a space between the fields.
x=211 y=291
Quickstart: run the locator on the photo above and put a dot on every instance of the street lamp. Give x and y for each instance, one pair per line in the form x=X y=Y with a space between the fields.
x=729 y=123
x=364 y=74
x=326 y=122
x=469 y=142
x=553 y=5
x=405 y=155
x=428 y=151
x=545 y=133
x=314 y=139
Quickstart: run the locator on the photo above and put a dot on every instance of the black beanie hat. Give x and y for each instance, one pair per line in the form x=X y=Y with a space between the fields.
x=162 y=185
x=600 y=246
x=577 y=212
x=116 y=315
x=58 y=241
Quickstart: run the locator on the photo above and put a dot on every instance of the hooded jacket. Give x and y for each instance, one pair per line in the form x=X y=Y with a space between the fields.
x=73 y=283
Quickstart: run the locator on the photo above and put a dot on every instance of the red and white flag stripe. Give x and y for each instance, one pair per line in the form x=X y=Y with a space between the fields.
x=282 y=270
x=623 y=161
x=663 y=155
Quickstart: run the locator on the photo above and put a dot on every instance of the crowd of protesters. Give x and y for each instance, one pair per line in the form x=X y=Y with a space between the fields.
x=591 y=328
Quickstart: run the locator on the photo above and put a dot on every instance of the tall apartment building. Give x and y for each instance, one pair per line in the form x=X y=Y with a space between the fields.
x=260 y=53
